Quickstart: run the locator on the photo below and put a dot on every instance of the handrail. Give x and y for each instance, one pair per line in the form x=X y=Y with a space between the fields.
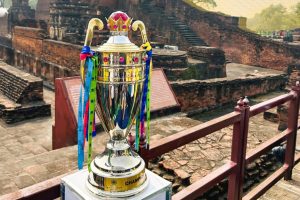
x=267 y=146
x=266 y=184
x=266 y=105
x=240 y=120
x=206 y=183
x=174 y=141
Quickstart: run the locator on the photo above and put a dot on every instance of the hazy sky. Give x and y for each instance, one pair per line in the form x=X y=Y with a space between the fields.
x=248 y=8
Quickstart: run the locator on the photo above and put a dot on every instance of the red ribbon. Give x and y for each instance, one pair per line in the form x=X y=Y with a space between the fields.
x=83 y=56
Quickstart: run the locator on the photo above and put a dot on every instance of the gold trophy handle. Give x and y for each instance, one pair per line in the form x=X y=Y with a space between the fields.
x=94 y=22
x=140 y=25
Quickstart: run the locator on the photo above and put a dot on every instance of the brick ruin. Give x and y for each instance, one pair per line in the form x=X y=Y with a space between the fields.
x=183 y=65
x=20 y=14
x=21 y=95
x=68 y=20
x=49 y=54
x=193 y=27
x=177 y=22
x=205 y=36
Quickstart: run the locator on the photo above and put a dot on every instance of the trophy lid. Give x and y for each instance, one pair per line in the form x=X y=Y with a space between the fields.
x=119 y=24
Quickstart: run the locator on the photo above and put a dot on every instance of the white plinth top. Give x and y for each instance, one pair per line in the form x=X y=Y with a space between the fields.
x=75 y=188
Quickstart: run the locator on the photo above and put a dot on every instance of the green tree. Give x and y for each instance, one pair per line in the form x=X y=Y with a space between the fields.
x=7 y=3
x=274 y=17
x=203 y=3
x=297 y=9
x=32 y=3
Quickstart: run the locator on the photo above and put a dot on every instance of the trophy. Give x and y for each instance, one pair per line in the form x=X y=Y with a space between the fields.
x=115 y=84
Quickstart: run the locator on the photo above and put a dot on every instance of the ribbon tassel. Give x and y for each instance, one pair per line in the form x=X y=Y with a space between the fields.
x=86 y=108
x=145 y=104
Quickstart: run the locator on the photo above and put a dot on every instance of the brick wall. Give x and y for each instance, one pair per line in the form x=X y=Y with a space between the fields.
x=202 y=95
x=61 y=53
x=28 y=40
x=29 y=49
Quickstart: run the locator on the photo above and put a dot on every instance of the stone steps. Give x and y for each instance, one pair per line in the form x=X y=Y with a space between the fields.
x=183 y=29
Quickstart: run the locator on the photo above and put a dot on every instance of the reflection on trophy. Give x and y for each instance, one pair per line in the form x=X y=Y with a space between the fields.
x=116 y=96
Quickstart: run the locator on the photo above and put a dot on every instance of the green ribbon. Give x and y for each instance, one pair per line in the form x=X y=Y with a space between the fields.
x=92 y=105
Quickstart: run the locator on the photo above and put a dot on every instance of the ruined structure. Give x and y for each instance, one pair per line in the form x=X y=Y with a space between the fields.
x=173 y=19
x=20 y=14
x=42 y=11
x=21 y=95
x=3 y=19
x=192 y=30
x=68 y=20
x=3 y=25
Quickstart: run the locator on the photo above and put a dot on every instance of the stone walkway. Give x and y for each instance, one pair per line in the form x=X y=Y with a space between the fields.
x=195 y=160
x=234 y=70
x=26 y=152
x=25 y=148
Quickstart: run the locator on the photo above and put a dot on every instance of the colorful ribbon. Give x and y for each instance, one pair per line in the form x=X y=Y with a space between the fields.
x=149 y=53
x=86 y=119
x=145 y=104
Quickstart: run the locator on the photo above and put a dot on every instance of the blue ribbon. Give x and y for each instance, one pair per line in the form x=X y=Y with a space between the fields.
x=80 y=136
x=81 y=106
x=145 y=88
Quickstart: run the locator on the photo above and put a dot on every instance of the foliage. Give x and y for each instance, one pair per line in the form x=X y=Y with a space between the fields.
x=297 y=9
x=32 y=3
x=7 y=3
x=204 y=3
x=274 y=18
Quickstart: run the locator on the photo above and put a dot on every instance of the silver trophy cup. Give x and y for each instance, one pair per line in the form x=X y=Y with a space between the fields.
x=118 y=171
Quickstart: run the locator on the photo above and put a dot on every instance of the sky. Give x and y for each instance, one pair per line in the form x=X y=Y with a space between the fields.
x=248 y=8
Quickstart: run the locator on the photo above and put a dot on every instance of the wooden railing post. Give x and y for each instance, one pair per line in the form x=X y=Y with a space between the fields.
x=143 y=151
x=238 y=151
x=293 y=113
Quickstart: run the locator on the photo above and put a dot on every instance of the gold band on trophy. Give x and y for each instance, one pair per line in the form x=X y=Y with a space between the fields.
x=121 y=184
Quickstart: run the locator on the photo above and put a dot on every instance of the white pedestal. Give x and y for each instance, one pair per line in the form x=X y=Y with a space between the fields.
x=73 y=188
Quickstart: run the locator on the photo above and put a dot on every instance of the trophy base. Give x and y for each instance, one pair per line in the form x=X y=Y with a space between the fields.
x=118 y=172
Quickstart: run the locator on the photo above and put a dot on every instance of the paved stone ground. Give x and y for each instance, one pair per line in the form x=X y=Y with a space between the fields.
x=234 y=70
x=26 y=152
x=195 y=160
x=26 y=156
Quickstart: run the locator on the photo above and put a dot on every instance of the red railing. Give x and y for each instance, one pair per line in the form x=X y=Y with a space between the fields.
x=233 y=170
